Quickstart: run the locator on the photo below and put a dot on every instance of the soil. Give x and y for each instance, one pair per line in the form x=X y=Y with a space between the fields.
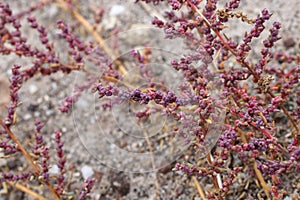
x=110 y=144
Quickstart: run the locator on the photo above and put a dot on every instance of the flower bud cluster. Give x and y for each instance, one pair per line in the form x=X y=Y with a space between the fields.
x=255 y=92
x=61 y=162
x=14 y=177
x=15 y=85
x=75 y=44
x=255 y=32
x=86 y=188
x=268 y=44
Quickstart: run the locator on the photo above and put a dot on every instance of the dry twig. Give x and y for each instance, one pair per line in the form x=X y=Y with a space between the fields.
x=26 y=190
x=95 y=34
x=199 y=188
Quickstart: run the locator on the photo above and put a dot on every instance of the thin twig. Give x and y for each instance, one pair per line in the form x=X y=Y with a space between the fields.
x=4 y=190
x=199 y=188
x=261 y=180
x=20 y=146
x=26 y=190
x=146 y=135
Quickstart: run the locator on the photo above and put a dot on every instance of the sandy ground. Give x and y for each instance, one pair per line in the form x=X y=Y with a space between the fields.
x=110 y=145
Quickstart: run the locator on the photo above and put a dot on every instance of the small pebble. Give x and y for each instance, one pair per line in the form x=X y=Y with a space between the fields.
x=54 y=86
x=76 y=174
x=39 y=101
x=32 y=107
x=33 y=89
x=46 y=98
x=54 y=169
x=64 y=129
x=37 y=114
x=289 y=42
x=27 y=116
x=49 y=112
x=12 y=164
x=116 y=10
x=52 y=11
x=87 y=171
